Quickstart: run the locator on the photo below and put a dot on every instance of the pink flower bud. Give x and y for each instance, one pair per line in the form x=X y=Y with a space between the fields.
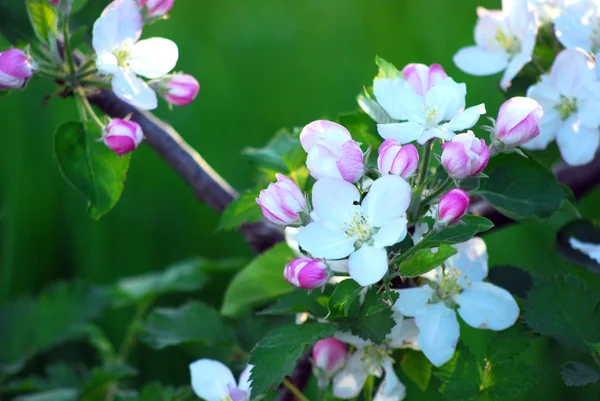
x=453 y=206
x=15 y=68
x=282 y=202
x=518 y=121
x=123 y=136
x=157 y=8
x=179 y=89
x=397 y=159
x=423 y=78
x=306 y=273
x=331 y=151
x=466 y=156
x=329 y=355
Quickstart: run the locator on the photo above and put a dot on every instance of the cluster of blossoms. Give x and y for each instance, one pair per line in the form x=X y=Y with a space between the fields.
x=570 y=91
x=357 y=212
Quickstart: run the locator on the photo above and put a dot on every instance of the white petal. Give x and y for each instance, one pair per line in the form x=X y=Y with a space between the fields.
x=479 y=61
x=388 y=199
x=571 y=32
x=153 y=58
x=322 y=163
x=471 y=260
x=486 y=306
x=404 y=333
x=402 y=132
x=441 y=132
x=245 y=383
x=339 y=266
x=548 y=130
x=412 y=301
x=107 y=63
x=133 y=90
x=588 y=105
x=572 y=71
x=323 y=241
x=391 y=232
x=590 y=249
x=333 y=200
x=390 y=389
x=120 y=24
x=577 y=144
x=514 y=66
x=518 y=16
x=397 y=97
x=350 y=381
x=438 y=333
x=466 y=119
x=368 y=265
x=447 y=98
x=210 y=379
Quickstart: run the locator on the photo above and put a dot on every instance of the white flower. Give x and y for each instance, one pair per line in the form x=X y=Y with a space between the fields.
x=590 y=249
x=213 y=381
x=458 y=282
x=438 y=110
x=374 y=359
x=548 y=10
x=504 y=41
x=570 y=97
x=115 y=40
x=578 y=25
x=344 y=227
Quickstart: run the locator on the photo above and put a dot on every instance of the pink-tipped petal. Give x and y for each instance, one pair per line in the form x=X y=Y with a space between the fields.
x=453 y=205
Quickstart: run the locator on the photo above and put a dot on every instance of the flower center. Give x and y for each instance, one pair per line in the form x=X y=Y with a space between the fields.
x=360 y=229
x=567 y=106
x=374 y=355
x=431 y=115
x=507 y=41
x=122 y=56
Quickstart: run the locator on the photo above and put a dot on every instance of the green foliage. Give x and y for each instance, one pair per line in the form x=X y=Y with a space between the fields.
x=193 y=322
x=344 y=300
x=425 y=260
x=387 y=69
x=417 y=367
x=59 y=394
x=579 y=374
x=521 y=188
x=467 y=228
x=299 y=301
x=564 y=308
x=158 y=392
x=359 y=126
x=243 y=210
x=43 y=18
x=93 y=169
x=259 y=282
x=584 y=231
x=373 y=109
x=282 y=153
x=276 y=355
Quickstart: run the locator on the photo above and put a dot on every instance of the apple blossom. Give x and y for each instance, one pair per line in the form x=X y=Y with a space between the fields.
x=548 y=10
x=178 y=89
x=518 y=121
x=344 y=227
x=452 y=206
x=430 y=103
x=397 y=159
x=458 y=282
x=374 y=359
x=123 y=136
x=329 y=355
x=213 y=381
x=282 y=202
x=119 y=54
x=504 y=41
x=15 y=68
x=306 y=273
x=570 y=98
x=577 y=26
x=465 y=156
x=157 y=8
x=331 y=151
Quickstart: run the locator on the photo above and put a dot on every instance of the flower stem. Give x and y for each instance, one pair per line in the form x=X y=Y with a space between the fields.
x=134 y=328
x=297 y=393
x=447 y=184
x=419 y=245
x=83 y=102
x=415 y=204
x=68 y=54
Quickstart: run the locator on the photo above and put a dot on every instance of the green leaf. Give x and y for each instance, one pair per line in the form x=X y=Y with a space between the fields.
x=583 y=231
x=521 y=188
x=345 y=300
x=78 y=37
x=417 y=367
x=508 y=344
x=460 y=377
x=101 y=378
x=463 y=231
x=243 y=210
x=579 y=374
x=512 y=378
x=276 y=355
x=371 y=322
x=259 y=282
x=373 y=109
x=159 y=392
x=299 y=301
x=425 y=260
x=283 y=153
x=193 y=322
x=92 y=168
x=564 y=308
x=387 y=69
x=77 y=6
x=43 y=18
x=59 y=394
x=359 y=126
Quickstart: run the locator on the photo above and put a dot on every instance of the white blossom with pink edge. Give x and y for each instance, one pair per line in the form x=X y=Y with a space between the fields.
x=157 y=8
x=15 y=68
x=397 y=159
x=121 y=55
x=282 y=202
x=570 y=98
x=504 y=41
x=329 y=355
x=429 y=102
x=331 y=151
x=458 y=282
x=213 y=381
x=518 y=121
x=465 y=156
x=577 y=26
x=343 y=227
x=177 y=89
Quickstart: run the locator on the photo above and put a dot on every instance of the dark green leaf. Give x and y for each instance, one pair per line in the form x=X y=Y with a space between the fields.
x=59 y=394
x=283 y=153
x=579 y=374
x=373 y=109
x=512 y=378
x=359 y=126
x=508 y=344
x=460 y=377
x=78 y=36
x=43 y=18
x=425 y=260
x=77 y=6
x=582 y=231
x=564 y=308
x=259 y=282
x=387 y=69
x=243 y=210
x=417 y=367
x=371 y=322
x=193 y=322
x=521 y=188
x=95 y=170
x=345 y=299
x=101 y=378
x=276 y=355
x=299 y=301
x=476 y=340
x=463 y=231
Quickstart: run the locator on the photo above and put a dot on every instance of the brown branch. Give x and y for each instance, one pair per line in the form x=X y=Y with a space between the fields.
x=208 y=186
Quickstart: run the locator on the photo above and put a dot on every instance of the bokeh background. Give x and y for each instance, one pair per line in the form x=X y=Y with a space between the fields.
x=262 y=65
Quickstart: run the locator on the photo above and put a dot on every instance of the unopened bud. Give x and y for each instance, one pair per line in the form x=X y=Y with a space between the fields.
x=306 y=273
x=453 y=205
x=179 y=89
x=329 y=355
x=465 y=156
x=518 y=121
x=157 y=8
x=123 y=136
x=397 y=159
x=15 y=69
x=282 y=202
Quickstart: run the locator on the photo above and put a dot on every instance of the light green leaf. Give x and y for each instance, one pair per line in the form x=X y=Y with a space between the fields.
x=579 y=374
x=425 y=260
x=387 y=69
x=243 y=210
x=362 y=130
x=372 y=322
x=299 y=301
x=417 y=367
x=511 y=378
x=373 y=109
x=345 y=299
x=93 y=169
x=283 y=153
x=259 y=282
x=467 y=228
x=43 y=18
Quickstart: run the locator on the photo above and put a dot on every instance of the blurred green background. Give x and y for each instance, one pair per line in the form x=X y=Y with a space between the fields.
x=262 y=65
